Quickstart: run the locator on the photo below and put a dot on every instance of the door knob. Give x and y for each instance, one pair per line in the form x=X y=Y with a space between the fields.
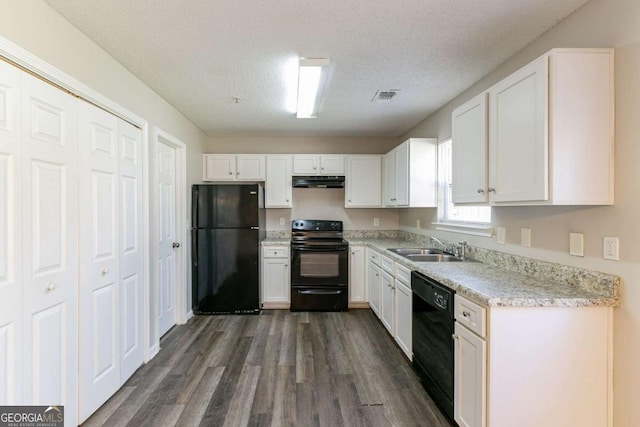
x=175 y=245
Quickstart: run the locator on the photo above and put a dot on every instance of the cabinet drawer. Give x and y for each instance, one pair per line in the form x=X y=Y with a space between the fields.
x=374 y=257
x=403 y=275
x=471 y=315
x=275 y=252
x=387 y=265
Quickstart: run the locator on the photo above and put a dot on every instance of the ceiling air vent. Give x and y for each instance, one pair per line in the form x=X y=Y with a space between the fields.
x=384 y=95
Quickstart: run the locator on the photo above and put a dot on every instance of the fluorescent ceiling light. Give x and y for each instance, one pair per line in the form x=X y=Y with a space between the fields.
x=311 y=78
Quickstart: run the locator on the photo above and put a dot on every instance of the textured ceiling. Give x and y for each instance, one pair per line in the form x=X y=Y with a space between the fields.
x=200 y=54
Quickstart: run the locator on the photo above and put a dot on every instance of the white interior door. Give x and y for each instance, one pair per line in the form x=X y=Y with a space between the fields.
x=50 y=256
x=131 y=249
x=166 y=235
x=10 y=237
x=99 y=255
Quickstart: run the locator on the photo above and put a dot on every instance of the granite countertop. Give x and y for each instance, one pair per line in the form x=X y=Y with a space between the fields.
x=276 y=241
x=491 y=285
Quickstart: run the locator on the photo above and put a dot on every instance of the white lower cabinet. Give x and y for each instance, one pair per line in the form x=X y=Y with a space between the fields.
x=403 y=298
x=469 y=389
x=532 y=366
x=276 y=277
x=357 y=277
x=374 y=276
x=387 y=303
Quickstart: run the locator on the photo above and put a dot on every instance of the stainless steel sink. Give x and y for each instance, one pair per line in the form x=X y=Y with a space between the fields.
x=415 y=251
x=425 y=254
x=432 y=258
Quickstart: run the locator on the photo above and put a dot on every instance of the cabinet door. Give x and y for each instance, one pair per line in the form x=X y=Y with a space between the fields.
x=470 y=139
x=250 y=167
x=278 y=181
x=469 y=390
x=518 y=152
x=389 y=185
x=11 y=284
x=219 y=167
x=50 y=257
x=275 y=283
x=403 y=318
x=99 y=258
x=387 y=302
x=375 y=280
x=357 y=285
x=305 y=164
x=402 y=174
x=331 y=165
x=364 y=182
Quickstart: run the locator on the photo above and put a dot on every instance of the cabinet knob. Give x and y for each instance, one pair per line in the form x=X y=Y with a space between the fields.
x=50 y=287
x=237 y=173
x=480 y=190
x=454 y=337
x=491 y=190
x=230 y=173
x=349 y=200
x=466 y=314
x=314 y=168
x=287 y=200
x=104 y=271
x=286 y=265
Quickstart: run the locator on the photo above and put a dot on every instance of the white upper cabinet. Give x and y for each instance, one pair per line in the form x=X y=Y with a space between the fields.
x=318 y=164
x=410 y=175
x=550 y=135
x=363 y=181
x=278 y=188
x=470 y=150
x=234 y=167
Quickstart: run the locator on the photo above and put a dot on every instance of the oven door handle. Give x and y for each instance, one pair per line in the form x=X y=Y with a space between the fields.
x=320 y=248
x=319 y=292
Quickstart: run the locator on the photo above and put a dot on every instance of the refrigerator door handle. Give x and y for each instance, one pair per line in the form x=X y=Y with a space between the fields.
x=255 y=228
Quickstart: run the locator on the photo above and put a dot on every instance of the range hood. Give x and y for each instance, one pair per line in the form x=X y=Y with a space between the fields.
x=318 y=181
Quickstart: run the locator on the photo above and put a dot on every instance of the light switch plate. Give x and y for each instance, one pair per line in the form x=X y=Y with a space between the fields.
x=501 y=235
x=376 y=222
x=576 y=244
x=281 y=221
x=525 y=237
x=611 y=248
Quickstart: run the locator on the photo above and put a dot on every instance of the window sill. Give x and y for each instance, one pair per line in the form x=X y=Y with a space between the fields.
x=464 y=228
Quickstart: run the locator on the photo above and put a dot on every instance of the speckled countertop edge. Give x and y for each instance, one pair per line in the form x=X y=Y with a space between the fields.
x=490 y=285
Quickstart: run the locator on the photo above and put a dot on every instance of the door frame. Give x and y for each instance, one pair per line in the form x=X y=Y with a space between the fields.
x=183 y=309
x=25 y=60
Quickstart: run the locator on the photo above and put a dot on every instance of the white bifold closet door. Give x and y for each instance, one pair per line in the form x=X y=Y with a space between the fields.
x=111 y=255
x=11 y=335
x=49 y=188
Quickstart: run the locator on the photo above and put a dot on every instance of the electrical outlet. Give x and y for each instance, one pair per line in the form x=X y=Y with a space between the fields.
x=501 y=235
x=576 y=244
x=376 y=222
x=610 y=248
x=281 y=221
x=525 y=237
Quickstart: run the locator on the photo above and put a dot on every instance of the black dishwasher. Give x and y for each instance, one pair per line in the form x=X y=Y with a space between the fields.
x=432 y=321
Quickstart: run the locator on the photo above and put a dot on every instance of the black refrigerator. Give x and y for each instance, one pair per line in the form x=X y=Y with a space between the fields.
x=227 y=226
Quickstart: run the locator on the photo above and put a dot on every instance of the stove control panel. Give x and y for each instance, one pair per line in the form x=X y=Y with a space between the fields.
x=315 y=225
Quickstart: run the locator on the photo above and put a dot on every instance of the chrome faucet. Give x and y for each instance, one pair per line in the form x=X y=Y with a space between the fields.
x=458 y=250
x=441 y=243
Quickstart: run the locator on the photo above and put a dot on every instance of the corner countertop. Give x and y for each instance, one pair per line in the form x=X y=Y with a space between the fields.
x=491 y=285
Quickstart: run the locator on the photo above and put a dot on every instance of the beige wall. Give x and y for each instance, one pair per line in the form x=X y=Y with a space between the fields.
x=316 y=203
x=600 y=23
x=319 y=203
x=34 y=26
x=301 y=145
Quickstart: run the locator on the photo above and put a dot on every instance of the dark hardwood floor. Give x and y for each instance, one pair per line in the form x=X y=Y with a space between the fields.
x=275 y=369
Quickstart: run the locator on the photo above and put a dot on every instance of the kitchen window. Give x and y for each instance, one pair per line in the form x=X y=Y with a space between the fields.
x=448 y=213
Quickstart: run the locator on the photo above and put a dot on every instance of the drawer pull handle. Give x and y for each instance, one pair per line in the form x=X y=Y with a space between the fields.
x=466 y=314
x=50 y=287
